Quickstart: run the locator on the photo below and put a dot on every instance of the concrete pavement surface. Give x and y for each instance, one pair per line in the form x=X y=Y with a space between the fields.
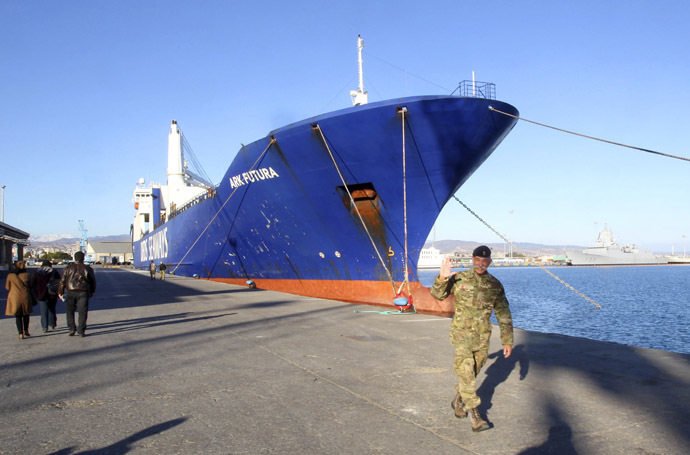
x=187 y=366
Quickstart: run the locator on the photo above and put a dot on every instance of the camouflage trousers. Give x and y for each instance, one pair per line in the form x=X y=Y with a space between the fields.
x=467 y=363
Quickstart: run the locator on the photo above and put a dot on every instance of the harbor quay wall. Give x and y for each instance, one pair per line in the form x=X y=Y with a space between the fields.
x=196 y=366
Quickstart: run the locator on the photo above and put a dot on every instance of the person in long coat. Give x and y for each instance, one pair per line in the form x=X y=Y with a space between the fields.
x=19 y=302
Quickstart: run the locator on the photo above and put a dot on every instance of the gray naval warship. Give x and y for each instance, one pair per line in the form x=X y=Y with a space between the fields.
x=607 y=252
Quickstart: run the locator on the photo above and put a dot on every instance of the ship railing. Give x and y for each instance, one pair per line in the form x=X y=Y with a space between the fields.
x=177 y=210
x=476 y=89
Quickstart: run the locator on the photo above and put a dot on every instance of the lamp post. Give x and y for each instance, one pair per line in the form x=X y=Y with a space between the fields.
x=3 y=203
x=510 y=224
x=685 y=236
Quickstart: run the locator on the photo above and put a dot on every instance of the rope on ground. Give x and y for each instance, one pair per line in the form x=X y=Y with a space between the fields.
x=258 y=160
x=388 y=312
x=542 y=266
x=491 y=108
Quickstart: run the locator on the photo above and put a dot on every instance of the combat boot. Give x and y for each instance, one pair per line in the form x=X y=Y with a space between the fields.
x=458 y=406
x=478 y=424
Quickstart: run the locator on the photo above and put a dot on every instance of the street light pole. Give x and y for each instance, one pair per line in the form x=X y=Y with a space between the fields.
x=3 y=203
x=510 y=228
x=685 y=236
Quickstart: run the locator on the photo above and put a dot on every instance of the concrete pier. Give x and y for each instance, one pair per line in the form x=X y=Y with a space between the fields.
x=187 y=366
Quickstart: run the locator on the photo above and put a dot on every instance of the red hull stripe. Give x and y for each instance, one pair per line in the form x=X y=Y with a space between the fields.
x=378 y=293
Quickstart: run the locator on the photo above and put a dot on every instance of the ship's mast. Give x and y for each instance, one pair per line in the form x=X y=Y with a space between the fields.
x=359 y=96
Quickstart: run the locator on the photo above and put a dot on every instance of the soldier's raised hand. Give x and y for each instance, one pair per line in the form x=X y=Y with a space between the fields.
x=445 y=268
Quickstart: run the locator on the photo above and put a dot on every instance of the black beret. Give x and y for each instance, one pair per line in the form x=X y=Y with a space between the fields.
x=482 y=252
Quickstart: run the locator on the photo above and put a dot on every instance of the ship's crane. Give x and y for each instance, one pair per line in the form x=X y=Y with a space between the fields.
x=82 y=242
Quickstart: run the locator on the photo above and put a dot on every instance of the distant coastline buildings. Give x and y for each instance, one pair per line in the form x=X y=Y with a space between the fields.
x=11 y=239
x=17 y=245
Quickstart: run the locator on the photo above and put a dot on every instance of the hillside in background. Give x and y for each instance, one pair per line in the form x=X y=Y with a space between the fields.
x=65 y=242
x=446 y=246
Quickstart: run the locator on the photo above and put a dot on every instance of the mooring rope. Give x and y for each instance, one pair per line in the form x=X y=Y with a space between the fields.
x=491 y=108
x=272 y=141
x=352 y=201
x=542 y=266
x=403 y=110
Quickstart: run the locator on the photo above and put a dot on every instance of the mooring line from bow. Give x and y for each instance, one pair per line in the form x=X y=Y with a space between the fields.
x=403 y=111
x=542 y=266
x=317 y=127
x=491 y=108
x=258 y=160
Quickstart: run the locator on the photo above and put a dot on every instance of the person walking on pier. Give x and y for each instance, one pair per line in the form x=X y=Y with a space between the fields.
x=45 y=282
x=152 y=270
x=79 y=281
x=477 y=294
x=162 y=268
x=19 y=299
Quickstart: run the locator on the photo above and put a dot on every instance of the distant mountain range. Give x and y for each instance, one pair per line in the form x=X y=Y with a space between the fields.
x=466 y=247
x=61 y=239
x=446 y=246
x=53 y=238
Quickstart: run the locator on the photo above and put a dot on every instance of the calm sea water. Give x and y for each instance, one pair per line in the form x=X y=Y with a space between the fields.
x=641 y=306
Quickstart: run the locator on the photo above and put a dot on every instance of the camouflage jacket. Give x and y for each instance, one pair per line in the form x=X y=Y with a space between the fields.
x=476 y=296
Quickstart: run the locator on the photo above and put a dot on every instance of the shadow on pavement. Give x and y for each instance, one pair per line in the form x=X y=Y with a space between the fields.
x=142 y=291
x=146 y=323
x=97 y=357
x=560 y=440
x=125 y=445
x=616 y=370
x=498 y=373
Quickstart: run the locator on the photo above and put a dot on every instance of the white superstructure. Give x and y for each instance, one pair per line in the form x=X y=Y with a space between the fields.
x=156 y=203
x=430 y=258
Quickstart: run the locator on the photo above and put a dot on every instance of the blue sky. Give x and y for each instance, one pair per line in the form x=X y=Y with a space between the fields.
x=88 y=90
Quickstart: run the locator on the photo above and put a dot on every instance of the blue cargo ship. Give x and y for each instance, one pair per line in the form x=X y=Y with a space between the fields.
x=337 y=206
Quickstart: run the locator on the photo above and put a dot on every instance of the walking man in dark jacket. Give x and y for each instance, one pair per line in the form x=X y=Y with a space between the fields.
x=79 y=283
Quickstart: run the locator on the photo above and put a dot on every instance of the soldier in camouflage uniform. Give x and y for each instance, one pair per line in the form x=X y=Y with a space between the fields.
x=477 y=293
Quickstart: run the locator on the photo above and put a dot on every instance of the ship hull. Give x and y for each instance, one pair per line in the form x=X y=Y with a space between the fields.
x=282 y=216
